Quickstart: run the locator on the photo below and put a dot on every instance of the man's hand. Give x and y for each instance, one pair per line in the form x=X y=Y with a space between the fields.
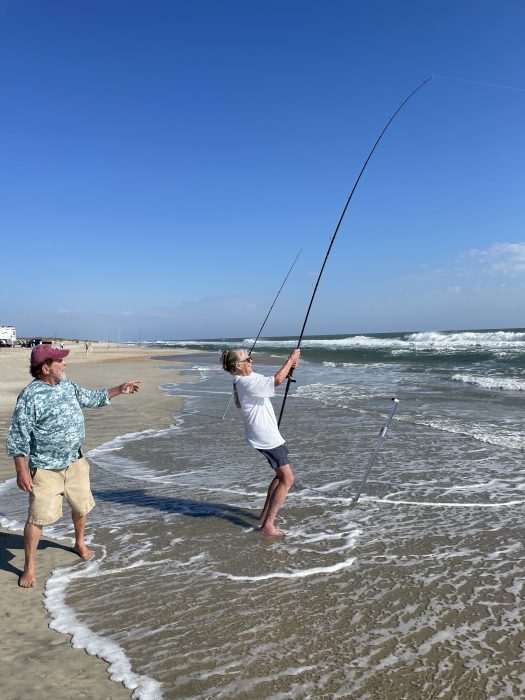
x=23 y=476
x=130 y=387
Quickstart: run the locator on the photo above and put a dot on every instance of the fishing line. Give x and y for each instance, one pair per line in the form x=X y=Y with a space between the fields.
x=479 y=82
x=264 y=322
x=332 y=240
x=273 y=302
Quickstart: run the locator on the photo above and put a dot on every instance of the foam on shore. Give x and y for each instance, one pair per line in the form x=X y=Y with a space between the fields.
x=65 y=621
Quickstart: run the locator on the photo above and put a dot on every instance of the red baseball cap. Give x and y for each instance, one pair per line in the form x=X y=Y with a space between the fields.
x=45 y=352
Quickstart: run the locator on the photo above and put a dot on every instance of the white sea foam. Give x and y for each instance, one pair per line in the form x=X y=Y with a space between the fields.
x=300 y=573
x=6 y=485
x=443 y=504
x=95 y=572
x=11 y=524
x=182 y=389
x=104 y=455
x=64 y=620
x=121 y=440
x=126 y=467
x=494 y=383
x=483 y=433
x=339 y=395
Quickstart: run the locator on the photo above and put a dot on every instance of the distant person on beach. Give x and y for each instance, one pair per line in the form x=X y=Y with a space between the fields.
x=45 y=439
x=252 y=392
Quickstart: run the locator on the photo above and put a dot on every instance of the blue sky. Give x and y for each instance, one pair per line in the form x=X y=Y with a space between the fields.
x=164 y=162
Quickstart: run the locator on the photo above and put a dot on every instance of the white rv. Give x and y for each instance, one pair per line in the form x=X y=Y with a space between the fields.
x=7 y=336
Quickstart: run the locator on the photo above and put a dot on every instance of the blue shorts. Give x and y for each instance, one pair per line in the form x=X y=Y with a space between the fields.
x=278 y=456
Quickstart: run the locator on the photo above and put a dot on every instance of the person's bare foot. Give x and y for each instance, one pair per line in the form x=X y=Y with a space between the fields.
x=83 y=552
x=27 y=579
x=271 y=531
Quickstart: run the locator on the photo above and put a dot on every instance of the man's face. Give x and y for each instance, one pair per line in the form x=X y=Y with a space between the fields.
x=57 y=371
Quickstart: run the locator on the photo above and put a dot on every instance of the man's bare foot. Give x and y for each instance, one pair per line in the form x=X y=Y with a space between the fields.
x=271 y=531
x=83 y=552
x=27 y=580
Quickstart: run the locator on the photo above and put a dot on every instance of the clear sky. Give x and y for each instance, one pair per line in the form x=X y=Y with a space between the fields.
x=162 y=163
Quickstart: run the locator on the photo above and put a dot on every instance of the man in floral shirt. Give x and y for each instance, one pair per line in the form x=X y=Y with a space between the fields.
x=45 y=439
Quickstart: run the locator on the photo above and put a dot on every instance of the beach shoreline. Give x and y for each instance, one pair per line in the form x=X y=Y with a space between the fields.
x=57 y=669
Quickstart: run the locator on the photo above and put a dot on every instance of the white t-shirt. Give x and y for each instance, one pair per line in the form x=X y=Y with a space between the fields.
x=257 y=411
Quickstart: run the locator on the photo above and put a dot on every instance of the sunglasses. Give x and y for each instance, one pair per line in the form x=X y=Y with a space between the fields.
x=246 y=359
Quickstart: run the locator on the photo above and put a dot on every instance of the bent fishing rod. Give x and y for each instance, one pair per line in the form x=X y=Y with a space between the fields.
x=332 y=240
x=264 y=322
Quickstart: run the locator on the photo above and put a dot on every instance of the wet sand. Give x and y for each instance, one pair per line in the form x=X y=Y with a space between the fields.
x=58 y=670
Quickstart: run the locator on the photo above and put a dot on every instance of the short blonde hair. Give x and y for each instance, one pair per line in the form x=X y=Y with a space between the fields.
x=231 y=358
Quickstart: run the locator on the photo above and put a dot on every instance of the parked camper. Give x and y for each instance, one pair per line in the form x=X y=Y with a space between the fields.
x=7 y=336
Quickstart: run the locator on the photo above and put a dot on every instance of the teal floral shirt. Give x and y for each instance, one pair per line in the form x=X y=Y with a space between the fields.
x=48 y=424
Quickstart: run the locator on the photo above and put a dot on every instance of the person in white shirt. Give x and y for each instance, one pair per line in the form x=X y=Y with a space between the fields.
x=252 y=392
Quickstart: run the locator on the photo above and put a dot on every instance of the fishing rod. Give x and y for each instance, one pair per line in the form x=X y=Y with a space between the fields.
x=380 y=439
x=264 y=322
x=332 y=240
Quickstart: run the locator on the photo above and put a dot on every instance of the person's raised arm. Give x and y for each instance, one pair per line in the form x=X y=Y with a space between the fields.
x=292 y=361
x=130 y=387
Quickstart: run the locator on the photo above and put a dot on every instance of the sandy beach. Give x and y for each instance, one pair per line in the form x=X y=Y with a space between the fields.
x=416 y=590
x=57 y=669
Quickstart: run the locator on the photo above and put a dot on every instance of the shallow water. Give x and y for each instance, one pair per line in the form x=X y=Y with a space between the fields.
x=414 y=591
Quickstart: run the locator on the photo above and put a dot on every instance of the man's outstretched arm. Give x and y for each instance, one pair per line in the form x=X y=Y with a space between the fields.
x=130 y=387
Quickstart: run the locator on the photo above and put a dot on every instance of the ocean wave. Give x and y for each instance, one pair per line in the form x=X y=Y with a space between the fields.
x=426 y=341
x=493 y=383
x=493 y=341
x=468 y=337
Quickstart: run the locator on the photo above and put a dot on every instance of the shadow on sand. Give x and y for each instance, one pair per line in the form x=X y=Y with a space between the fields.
x=10 y=541
x=169 y=504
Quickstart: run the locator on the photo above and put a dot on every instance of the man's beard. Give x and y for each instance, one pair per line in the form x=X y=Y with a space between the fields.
x=59 y=375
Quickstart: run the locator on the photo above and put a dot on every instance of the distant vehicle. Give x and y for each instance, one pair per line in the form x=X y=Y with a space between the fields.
x=7 y=336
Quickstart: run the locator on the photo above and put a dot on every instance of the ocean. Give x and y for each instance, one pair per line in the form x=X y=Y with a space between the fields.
x=414 y=591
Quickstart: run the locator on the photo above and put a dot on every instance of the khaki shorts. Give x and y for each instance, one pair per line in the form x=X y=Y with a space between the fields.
x=50 y=485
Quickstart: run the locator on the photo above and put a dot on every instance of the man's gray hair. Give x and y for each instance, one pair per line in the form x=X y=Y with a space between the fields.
x=230 y=358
